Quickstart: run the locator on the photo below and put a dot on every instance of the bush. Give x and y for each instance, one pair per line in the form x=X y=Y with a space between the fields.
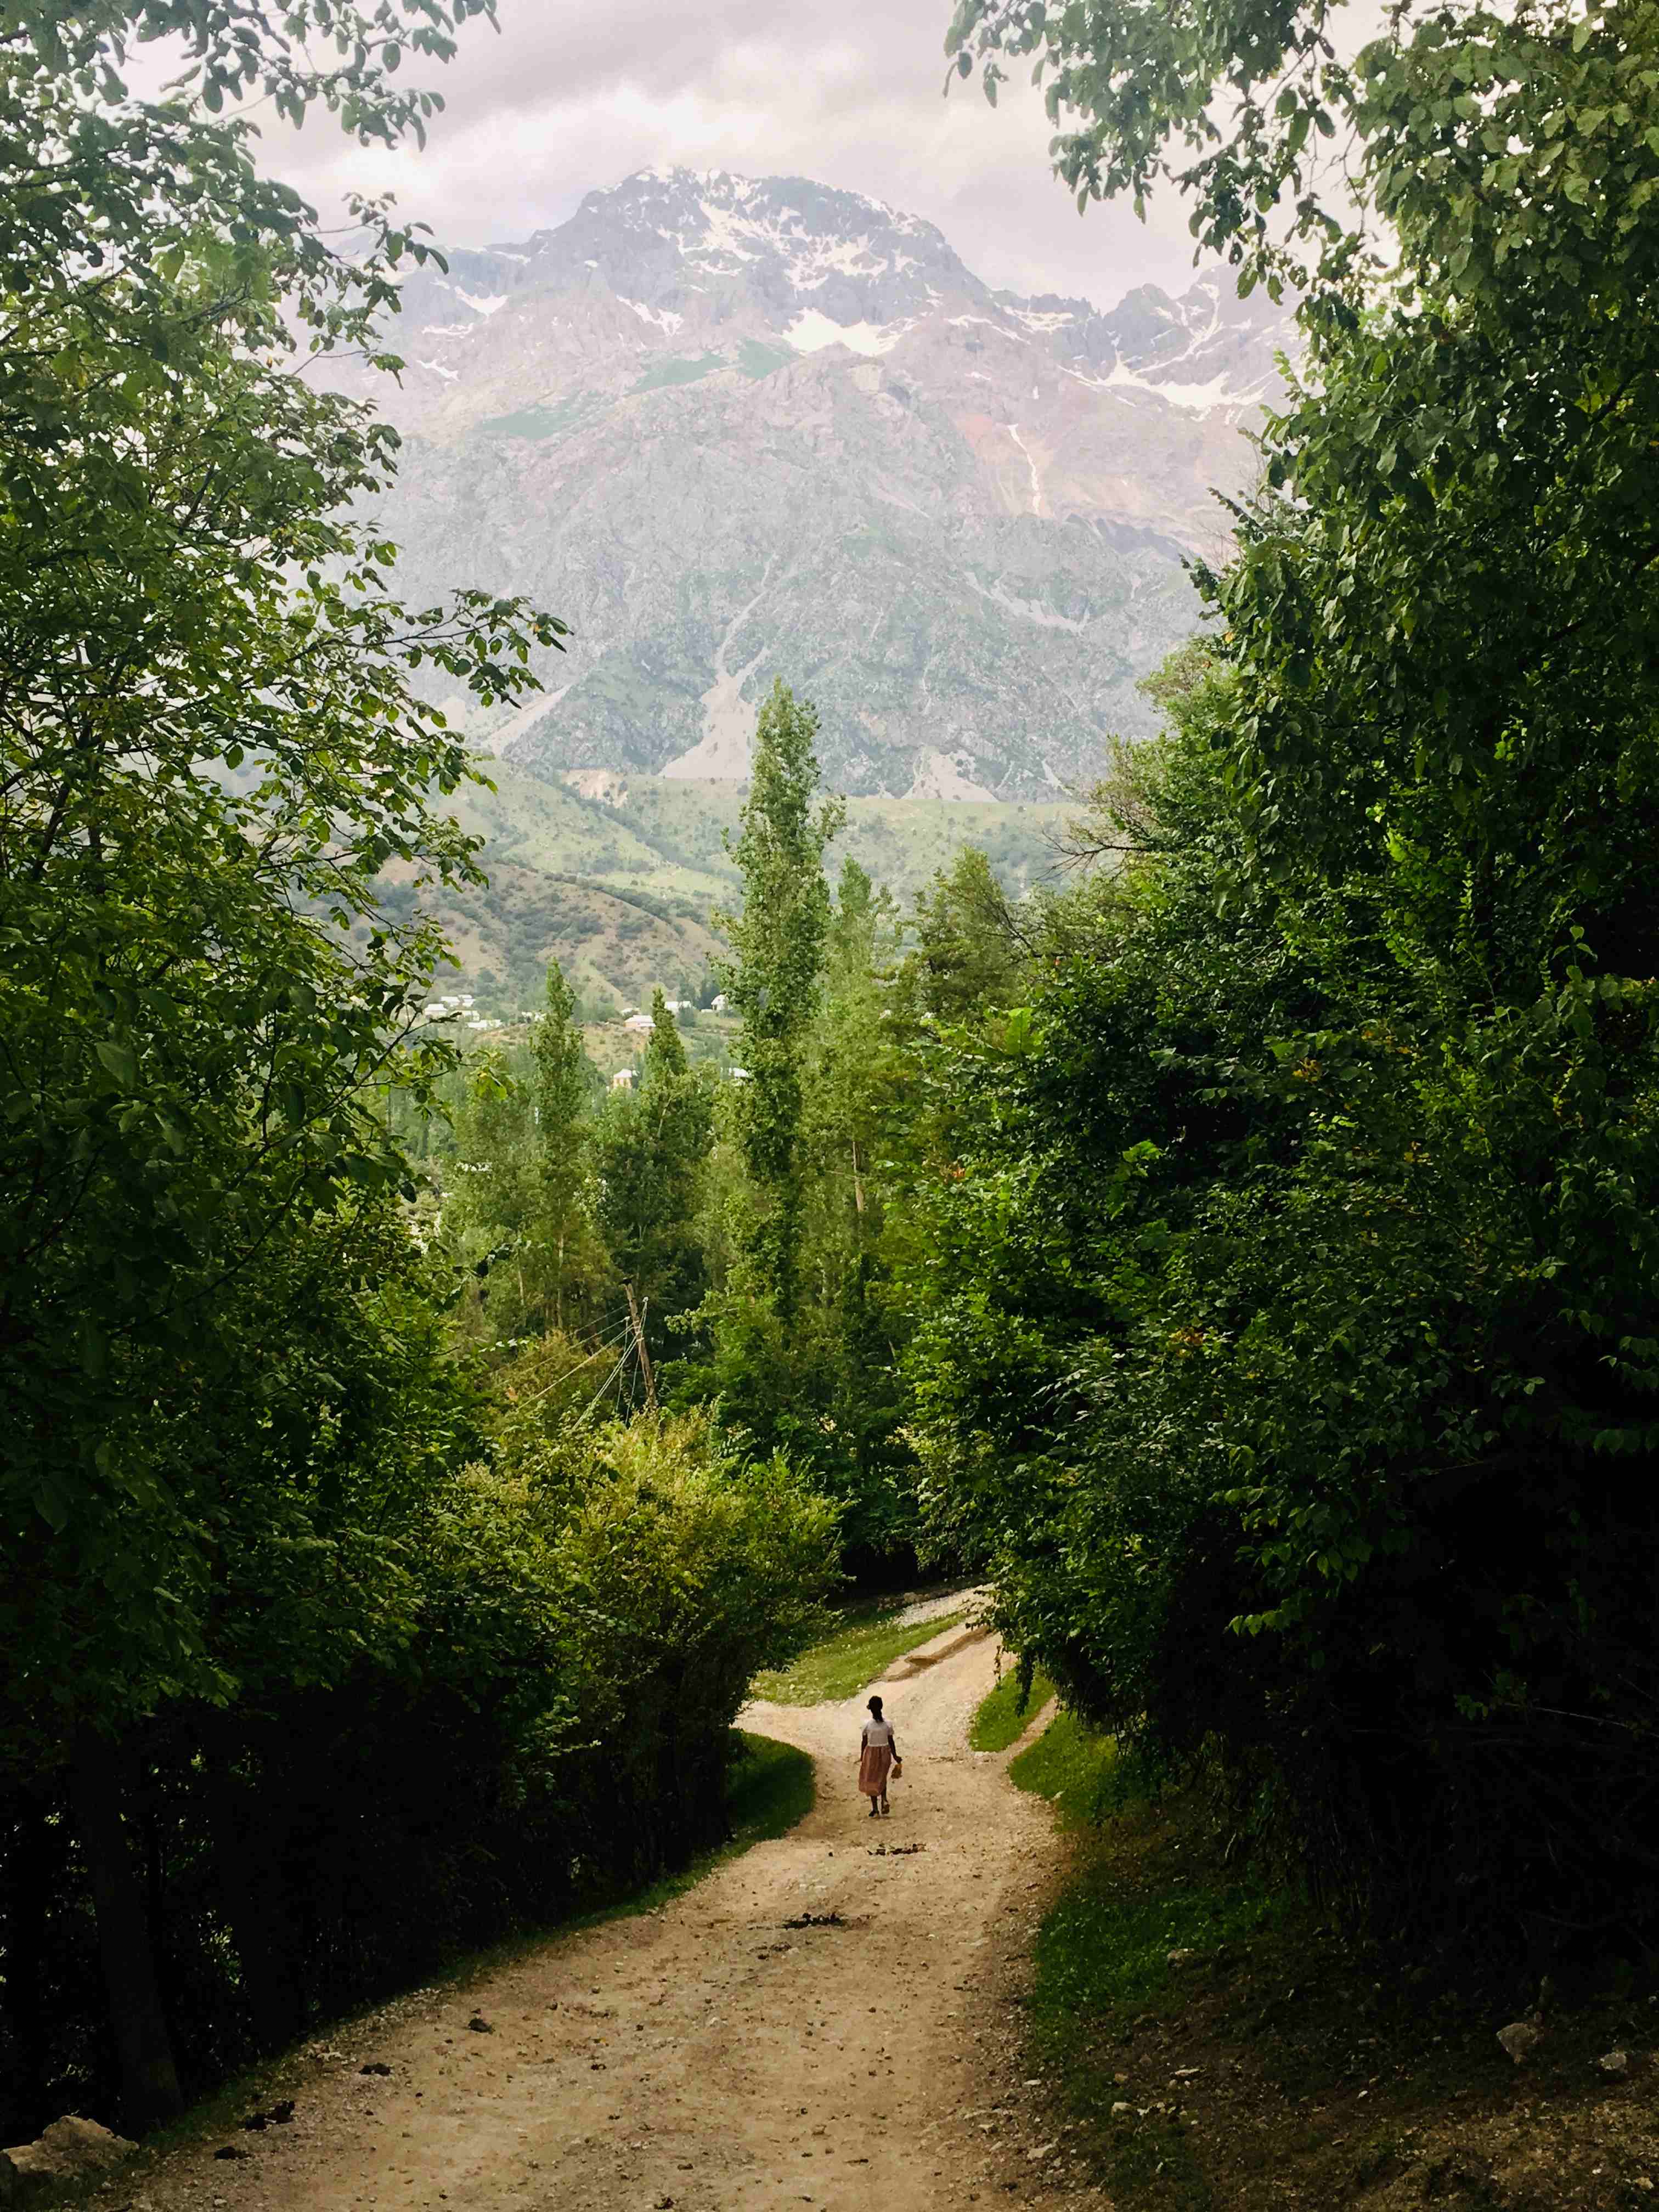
x=581 y=1614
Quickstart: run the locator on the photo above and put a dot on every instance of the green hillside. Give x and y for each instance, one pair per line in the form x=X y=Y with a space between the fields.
x=620 y=889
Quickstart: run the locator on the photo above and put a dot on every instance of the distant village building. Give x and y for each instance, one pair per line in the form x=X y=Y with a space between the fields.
x=638 y=1021
x=718 y=1002
x=738 y=1074
x=624 y=1078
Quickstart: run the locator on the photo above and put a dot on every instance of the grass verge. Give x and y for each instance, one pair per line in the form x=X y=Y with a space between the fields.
x=1224 y=2050
x=860 y=1650
x=1003 y=1717
x=1069 y=1764
x=769 y=1788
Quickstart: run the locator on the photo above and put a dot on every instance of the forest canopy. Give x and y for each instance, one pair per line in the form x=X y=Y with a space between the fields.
x=1302 y=1400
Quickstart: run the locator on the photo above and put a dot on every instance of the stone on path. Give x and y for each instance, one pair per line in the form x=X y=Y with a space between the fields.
x=69 y=2150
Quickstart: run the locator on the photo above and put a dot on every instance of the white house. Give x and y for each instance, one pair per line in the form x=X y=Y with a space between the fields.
x=624 y=1078
x=638 y=1021
x=718 y=1002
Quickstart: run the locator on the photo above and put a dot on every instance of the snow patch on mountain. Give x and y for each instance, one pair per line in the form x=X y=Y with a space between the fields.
x=661 y=318
x=1202 y=396
x=811 y=331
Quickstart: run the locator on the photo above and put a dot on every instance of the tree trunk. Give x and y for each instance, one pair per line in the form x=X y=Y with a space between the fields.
x=143 y=2049
x=30 y=1865
x=249 y=1840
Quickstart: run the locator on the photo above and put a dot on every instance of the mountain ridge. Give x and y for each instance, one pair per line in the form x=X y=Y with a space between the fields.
x=732 y=428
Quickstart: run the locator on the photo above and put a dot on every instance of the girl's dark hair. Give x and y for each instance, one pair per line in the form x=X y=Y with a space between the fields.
x=875 y=1707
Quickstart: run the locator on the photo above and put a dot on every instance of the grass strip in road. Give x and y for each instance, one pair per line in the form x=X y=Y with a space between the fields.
x=1003 y=1717
x=868 y=1640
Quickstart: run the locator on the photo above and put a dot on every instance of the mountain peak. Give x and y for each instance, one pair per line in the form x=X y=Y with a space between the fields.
x=731 y=425
x=775 y=239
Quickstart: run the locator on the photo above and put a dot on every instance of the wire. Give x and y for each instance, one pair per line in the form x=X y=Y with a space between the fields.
x=599 y=1352
x=603 y=1388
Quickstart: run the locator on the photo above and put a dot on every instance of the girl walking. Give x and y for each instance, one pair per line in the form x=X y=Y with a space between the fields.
x=878 y=1759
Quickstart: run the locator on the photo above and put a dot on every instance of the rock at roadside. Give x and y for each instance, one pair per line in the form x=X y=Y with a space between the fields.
x=1519 y=2038
x=1614 y=2064
x=70 y=2150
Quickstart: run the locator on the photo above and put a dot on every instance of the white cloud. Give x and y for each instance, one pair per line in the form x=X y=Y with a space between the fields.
x=564 y=99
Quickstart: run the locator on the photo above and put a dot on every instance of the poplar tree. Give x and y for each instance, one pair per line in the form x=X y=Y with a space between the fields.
x=653 y=1150
x=573 y=1263
x=775 y=978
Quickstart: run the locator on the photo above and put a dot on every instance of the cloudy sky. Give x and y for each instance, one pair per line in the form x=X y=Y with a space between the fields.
x=565 y=98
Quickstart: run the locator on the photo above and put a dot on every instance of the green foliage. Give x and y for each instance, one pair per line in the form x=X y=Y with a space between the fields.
x=311 y=1659
x=652 y=1149
x=774 y=980
x=1284 y=1343
x=545 y=1686
x=518 y=1217
x=805 y=1359
x=967 y=959
x=193 y=1036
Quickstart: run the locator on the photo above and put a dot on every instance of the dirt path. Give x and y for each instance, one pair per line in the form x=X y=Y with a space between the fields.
x=705 y=2056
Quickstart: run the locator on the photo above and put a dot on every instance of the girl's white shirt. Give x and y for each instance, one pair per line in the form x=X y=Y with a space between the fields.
x=878 y=1734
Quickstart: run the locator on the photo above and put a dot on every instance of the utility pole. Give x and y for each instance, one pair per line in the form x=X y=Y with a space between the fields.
x=645 y=1357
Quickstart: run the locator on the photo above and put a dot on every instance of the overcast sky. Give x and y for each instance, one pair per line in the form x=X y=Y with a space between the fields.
x=565 y=98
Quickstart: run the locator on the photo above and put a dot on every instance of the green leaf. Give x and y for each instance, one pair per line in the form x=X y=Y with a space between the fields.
x=117 y=1056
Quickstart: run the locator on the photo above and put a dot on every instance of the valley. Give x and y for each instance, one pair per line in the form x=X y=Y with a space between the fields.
x=618 y=877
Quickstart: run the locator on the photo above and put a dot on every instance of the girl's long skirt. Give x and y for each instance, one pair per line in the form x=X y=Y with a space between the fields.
x=875 y=1764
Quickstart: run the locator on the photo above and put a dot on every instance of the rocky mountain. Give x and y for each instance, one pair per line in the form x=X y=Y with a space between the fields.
x=735 y=428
